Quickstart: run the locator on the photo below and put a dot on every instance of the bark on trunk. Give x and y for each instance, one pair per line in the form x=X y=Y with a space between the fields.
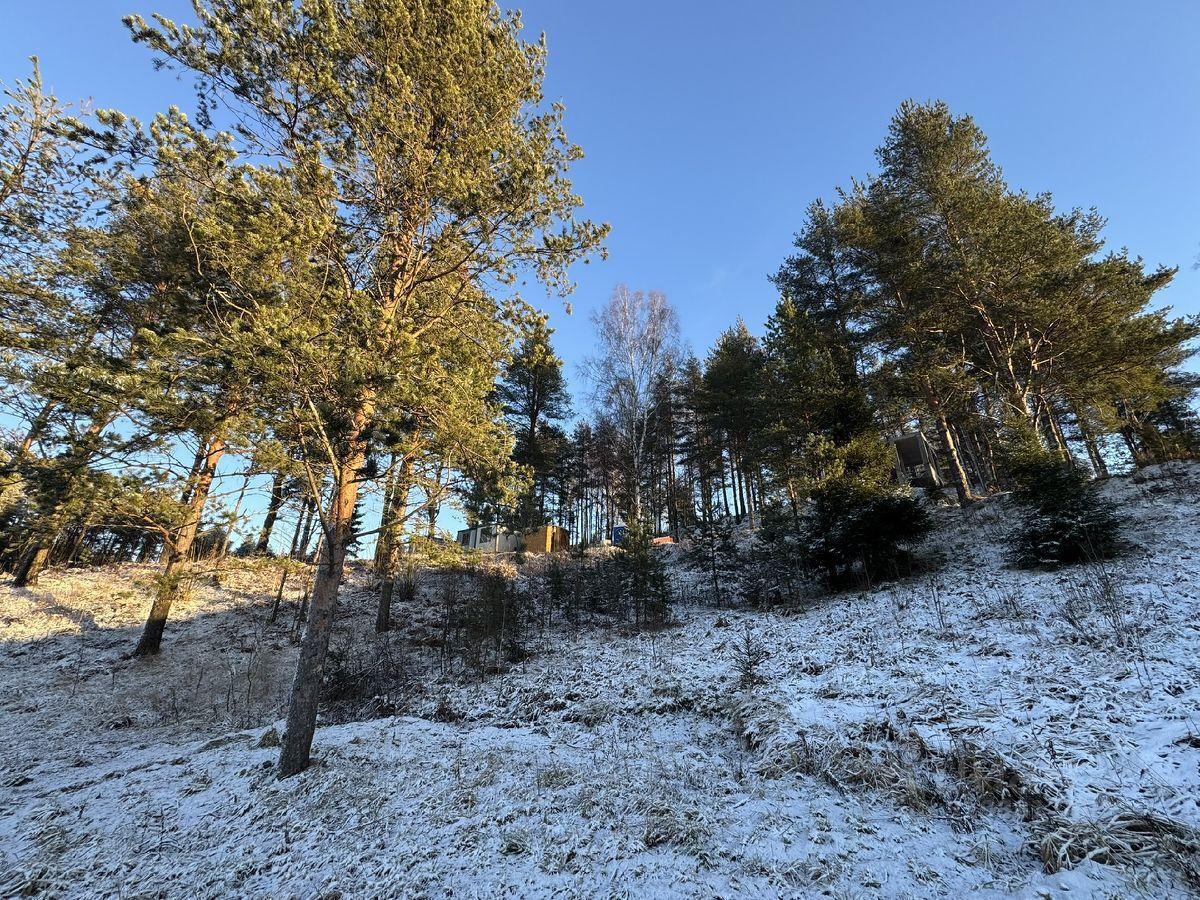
x=178 y=551
x=383 y=613
x=1047 y=423
x=1099 y=466
x=958 y=474
x=32 y=563
x=35 y=558
x=276 y=501
x=381 y=545
x=297 y=530
x=988 y=452
x=310 y=516
x=394 y=514
x=189 y=490
x=314 y=648
x=277 y=602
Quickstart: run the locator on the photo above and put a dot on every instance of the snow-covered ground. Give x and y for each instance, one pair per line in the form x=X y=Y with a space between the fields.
x=976 y=732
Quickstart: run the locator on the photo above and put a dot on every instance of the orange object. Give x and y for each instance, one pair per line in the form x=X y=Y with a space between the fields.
x=547 y=539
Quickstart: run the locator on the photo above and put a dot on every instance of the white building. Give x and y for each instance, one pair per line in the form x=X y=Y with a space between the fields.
x=490 y=538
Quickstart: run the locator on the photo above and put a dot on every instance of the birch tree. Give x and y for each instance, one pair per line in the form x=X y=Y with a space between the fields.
x=638 y=346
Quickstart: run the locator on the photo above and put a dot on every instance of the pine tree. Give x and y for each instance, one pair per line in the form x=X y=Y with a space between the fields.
x=421 y=171
x=699 y=447
x=63 y=346
x=533 y=395
x=202 y=241
x=732 y=386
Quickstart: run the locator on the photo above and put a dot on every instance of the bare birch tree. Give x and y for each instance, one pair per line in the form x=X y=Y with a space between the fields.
x=638 y=345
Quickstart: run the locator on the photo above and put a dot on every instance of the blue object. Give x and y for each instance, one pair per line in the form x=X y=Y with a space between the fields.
x=618 y=535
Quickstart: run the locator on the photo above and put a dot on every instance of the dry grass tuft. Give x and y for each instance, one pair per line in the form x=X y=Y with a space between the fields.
x=1127 y=838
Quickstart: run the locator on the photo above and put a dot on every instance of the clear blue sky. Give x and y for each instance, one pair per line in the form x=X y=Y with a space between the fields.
x=709 y=126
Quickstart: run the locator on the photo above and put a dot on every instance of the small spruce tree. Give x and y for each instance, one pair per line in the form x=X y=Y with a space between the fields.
x=1063 y=519
x=643 y=572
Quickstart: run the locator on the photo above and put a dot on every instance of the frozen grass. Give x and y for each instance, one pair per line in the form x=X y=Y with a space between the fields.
x=977 y=732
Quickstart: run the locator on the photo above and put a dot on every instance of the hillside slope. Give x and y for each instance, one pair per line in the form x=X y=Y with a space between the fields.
x=975 y=732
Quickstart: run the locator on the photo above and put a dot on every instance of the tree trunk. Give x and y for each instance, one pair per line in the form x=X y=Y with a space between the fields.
x=751 y=494
x=308 y=515
x=1060 y=439
x=1052 y=431
x=795 y=506
x=739 y=502
x=296 y=531
x=958 y=474
x=724 y=491
x=972 y=450
x=1140 y=457
x=275 y=604
x=46 y=534
x=394 y=515
x=178 y=551
x=672 y=496
x=381 y=544
x=237 y=508
x=32 y=563
x=276 y=501
x=189 y=488
x=1099 y=466
x=77 y=543
x=310 y=668
x=988 y=452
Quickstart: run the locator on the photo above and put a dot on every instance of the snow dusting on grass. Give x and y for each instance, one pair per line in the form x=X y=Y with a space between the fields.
x=979 y=731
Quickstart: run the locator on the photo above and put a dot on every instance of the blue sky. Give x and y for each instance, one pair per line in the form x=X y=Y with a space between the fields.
x=709 y=126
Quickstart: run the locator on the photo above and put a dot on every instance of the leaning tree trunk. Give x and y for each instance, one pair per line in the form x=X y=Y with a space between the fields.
x=78 y=538
x=178 y=550
x=379 y=563
x=1099 y=466
x=29 y=569
x=310 y=668
x=189 y=490
x=276 y=501
x=1060 y=437
x=958 y=473
x=310 y=518
x=1140 y=455
x=969 y=440
x=1047 y=424
x=34 y=560
x=389 y=538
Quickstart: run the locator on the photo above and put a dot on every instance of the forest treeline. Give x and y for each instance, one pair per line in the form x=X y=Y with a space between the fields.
x=311 y=281
x=930 y=298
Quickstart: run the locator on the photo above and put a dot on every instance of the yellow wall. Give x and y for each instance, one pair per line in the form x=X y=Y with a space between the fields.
x=547 y=539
